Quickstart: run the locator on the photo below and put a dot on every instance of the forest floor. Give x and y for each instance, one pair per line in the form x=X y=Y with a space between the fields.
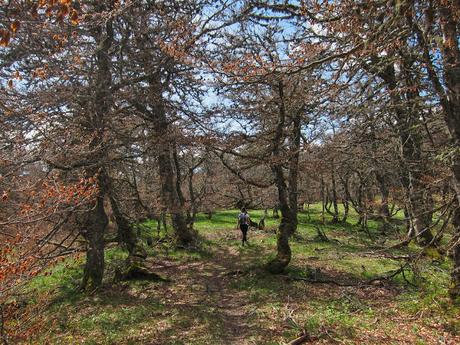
x=219 y=293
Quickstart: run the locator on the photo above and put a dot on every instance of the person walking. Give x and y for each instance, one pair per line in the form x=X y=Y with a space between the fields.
x=243 y=224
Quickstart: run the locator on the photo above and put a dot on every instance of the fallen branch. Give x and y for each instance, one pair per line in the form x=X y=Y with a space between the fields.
x=386 y=256
x=235 y=273
x=320 y=281
x=300 y=340
x=388 y=276
x=391 y=275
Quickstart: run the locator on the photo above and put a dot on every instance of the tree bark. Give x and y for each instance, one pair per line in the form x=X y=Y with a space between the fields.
x=287 y=196
x=96 y=220
x=384 y=210
x=171 y=198
x=454 y=288
x=411 y=156
x=126 y=233
x=450 y=102
x=323 y=201
x=169 y=189
x=335 y=216
x=191 y=212
x=294 y=156
x=346 y=201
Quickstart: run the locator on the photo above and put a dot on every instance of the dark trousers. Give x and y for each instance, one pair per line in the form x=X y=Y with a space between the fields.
x=244 y=229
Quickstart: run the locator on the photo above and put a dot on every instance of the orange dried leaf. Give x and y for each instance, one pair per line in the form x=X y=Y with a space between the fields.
x=49 y=11
x=74 y=17
x=4 y=38
x=15 y=26
x=64 y=11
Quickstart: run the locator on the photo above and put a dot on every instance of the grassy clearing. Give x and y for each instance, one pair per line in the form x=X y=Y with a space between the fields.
x=220 y=294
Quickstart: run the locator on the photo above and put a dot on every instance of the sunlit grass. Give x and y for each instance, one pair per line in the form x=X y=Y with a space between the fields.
x=121 y=313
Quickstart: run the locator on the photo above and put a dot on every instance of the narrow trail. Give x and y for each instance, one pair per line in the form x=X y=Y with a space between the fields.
x=219 y=294
x=232 y=305
x=208 y=284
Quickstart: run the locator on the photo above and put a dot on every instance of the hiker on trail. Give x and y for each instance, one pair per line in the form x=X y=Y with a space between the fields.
x=243 y=223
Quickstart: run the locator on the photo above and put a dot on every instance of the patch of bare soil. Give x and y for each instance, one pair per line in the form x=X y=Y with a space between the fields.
x=208 y=283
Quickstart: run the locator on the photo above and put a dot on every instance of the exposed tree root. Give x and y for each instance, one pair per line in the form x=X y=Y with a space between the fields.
x=134 y=269
x=300 y=340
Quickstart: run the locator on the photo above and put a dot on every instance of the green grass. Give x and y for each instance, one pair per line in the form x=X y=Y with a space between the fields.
x=196 y=305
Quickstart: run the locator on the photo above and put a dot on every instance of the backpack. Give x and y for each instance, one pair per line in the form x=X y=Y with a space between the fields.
x=244 y=218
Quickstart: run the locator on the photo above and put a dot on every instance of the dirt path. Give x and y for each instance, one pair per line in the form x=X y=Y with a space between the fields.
x=208 y=284
x=221 y=295
x=232 y=305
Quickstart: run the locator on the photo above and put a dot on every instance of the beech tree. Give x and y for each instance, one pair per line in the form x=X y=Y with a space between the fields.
x=106 y=111
x=383 y=40
x=269 y=108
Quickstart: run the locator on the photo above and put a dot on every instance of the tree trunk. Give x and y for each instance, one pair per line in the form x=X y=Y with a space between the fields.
x=411 y=155
x=294 y=156
x=134 y=266
x=275 y=214
x=335 y=215
x=178 y=176
x=169 y=188
x=170 y=197
x=191 y=212
x=163 y=221
x=3 y=334
x=346 y=200
x=126 y=233
x=420 y=210
x=323 y=201
x=95 y=220
x=409 y=228
x=454 y=288
x=346 y=210
x=287 y=203
x=384 y=210
x=450 y=102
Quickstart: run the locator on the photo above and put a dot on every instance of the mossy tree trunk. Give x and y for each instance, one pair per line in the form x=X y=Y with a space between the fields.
x=126 y=234
x=450 y=103
x=170 y=192
x=335 y=216
x=95 y=220
x=412 y=166
x=170 y=185
x=287 y=194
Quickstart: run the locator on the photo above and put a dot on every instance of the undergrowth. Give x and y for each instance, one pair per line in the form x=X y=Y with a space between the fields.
x=188 y=309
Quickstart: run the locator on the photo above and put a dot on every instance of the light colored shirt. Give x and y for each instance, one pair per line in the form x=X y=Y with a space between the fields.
x=243 y=218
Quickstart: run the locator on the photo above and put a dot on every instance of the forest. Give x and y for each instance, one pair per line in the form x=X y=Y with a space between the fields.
x=136 y=134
